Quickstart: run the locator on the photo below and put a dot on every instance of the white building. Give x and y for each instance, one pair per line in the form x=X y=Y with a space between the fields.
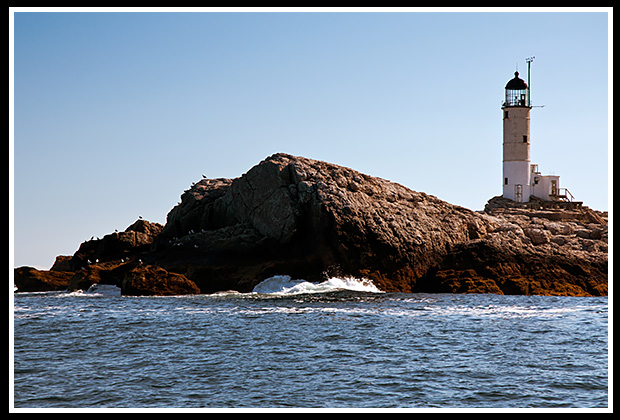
x=521 y=179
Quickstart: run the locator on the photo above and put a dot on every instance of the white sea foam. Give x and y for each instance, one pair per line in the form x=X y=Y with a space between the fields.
x=103 y=290
x=285 y=285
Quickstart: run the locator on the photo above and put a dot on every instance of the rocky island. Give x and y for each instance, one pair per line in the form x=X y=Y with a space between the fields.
x=313 y=220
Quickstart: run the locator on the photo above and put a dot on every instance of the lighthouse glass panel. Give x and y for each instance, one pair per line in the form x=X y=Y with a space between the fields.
x=516 y=97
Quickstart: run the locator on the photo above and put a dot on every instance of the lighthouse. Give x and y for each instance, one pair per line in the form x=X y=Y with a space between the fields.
x=522 y=182
x=516 y=146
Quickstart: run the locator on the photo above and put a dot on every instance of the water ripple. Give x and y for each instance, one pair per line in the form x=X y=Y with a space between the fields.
x=337 y=349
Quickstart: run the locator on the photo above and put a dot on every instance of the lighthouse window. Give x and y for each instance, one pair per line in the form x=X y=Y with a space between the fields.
x=505 y=181
x=505 y=114
x=524 y=139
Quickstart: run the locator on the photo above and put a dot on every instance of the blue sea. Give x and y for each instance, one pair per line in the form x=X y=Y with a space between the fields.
x=292 y=344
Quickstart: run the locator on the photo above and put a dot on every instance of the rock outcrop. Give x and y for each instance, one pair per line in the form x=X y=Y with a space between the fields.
x=526 y=251
x=155 y=281
x=133 y=241
x=102 y=260
x=311 y=219
x=29 y=279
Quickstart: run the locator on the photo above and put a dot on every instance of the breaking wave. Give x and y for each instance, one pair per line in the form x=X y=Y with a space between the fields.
x=285 y=285
x=97 y=289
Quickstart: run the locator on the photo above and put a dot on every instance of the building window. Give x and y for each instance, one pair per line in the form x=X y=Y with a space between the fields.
x=505 y=181
x=505 y=114
x=524 y=139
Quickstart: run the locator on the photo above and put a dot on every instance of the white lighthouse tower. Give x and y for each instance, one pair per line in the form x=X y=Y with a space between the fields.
x=516 y=156
x=522 y=182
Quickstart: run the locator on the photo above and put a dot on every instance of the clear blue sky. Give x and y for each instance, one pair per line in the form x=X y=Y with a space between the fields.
x=116 y=114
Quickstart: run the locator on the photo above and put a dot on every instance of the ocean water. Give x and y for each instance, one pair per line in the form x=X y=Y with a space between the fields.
x=340 y=344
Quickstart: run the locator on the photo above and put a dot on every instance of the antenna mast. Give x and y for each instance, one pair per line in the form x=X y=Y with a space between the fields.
x=529 y=94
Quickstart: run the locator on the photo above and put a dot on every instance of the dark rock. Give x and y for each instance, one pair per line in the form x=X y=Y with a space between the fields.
x=29 y=279
x=150 y=280
x=110 y=273
x=134 y=279
x=311 y=219
x=497 y=264
x=136 y=239
x=62 y=263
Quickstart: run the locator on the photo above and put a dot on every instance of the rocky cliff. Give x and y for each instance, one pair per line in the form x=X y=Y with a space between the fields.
x=531 y=252
x=311 y=219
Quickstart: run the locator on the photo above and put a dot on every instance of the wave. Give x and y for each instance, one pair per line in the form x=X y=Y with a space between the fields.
x=97 y=289
x=285 y=285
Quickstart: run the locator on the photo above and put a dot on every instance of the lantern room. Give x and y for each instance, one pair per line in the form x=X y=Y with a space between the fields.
x=517 y=93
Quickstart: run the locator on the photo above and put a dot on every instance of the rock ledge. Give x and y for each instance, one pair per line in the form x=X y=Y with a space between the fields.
x=311 y=219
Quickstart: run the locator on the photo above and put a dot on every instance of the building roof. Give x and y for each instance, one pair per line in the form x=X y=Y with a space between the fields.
x=516 y=83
